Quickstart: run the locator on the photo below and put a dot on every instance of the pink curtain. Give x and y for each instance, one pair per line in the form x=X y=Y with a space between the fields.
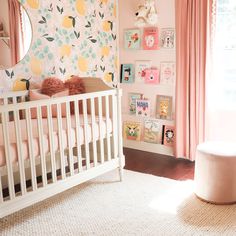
x=192 y=22
x=15 y=30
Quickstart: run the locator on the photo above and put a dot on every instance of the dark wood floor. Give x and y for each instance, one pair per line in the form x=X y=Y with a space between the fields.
x=159 y=165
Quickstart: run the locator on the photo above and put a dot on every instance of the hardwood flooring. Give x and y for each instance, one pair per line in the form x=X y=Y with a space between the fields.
x=159 y=165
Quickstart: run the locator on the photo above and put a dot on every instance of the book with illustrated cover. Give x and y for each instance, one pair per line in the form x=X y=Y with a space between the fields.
x=164 y=107
x=132 y=130
x=127 y=73
x=152 y=76
x=143 y=108
x=132 y=38
x=150 y=38
x=168 y=38
x=140 y=67
x=132 y=102
x=152 y=130
x=167 y=73
x=168 y=135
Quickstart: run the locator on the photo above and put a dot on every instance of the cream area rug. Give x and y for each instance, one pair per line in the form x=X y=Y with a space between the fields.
x=140 y=205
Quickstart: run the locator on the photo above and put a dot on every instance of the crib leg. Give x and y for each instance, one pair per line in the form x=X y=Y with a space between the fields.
x=121 y=173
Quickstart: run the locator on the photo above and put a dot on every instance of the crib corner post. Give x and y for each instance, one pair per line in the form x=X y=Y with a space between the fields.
x=120 y=136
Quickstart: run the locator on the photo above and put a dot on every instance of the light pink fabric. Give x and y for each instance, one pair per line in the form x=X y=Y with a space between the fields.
x=16 y=34
x=35 y=142
x=36 y=95
x=191 y=45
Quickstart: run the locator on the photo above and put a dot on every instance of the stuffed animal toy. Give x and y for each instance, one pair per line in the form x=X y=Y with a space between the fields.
x=146 y=14
x=51 y=86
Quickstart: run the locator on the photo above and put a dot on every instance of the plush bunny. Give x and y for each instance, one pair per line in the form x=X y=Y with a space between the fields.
x=146 y=14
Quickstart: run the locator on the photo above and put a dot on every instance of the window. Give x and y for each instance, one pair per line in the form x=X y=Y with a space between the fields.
x=223 y=85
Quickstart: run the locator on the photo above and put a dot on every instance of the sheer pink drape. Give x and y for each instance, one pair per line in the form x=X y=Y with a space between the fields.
x=15 y=30
x=192 y=21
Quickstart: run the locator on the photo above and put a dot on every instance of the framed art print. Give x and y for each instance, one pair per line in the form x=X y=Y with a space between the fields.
x=140 y=67
x=132 y=38
x=127 y=73
x=168 y=38
x=164 y=107
x=150 y=38
x=167 y=73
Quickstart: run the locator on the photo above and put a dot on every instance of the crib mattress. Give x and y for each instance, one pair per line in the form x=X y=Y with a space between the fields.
x=92 y=134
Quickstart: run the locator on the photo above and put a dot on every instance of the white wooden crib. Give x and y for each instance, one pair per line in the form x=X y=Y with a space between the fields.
x=45 y=156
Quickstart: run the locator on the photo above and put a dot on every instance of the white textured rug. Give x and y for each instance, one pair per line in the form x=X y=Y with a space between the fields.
x=140 y=205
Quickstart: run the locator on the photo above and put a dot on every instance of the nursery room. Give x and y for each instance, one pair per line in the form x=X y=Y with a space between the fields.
x=117 y=117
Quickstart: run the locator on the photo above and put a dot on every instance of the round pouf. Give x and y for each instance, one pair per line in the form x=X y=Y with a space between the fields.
x=215 y=172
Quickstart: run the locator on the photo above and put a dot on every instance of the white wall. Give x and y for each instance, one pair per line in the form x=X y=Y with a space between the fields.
x=166 y=11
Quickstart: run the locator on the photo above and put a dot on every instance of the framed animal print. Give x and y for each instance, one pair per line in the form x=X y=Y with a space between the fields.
x=168 y=38
x=150 y=38
x=132 y=130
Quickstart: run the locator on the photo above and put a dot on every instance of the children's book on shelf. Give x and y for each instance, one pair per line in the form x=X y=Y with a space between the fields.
x=167 y=73
x=152 y=130
x=164 y=107
x=132 y=38
x=127 y=73
x=152 y=76
x=143 y=108
x=150 y=38
x=168 y=135
x=132 y=102
x=140 y=67
x=168 y=38
x=132 y=130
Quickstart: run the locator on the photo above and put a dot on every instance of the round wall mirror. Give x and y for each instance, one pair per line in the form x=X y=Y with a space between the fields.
x=15 y=33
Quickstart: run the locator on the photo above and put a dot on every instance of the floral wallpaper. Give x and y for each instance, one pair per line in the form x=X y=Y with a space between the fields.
x=70 y=37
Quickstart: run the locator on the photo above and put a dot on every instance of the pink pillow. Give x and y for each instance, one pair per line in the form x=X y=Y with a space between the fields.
x=36 y=95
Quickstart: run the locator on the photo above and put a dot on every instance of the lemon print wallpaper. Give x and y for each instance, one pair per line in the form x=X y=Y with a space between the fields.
x=70 y=37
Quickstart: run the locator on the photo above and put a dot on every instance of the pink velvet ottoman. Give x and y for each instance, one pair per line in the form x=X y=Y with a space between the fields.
x=215 y=172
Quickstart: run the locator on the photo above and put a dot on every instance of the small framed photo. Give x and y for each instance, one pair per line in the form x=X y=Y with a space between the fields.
x=127 y=73
x=132 y=38
x=150 y=38
x=140 y=67
x=168 y=38
x=167 y=73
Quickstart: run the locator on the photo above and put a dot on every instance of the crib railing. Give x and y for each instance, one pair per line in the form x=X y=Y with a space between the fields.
x=65 y=158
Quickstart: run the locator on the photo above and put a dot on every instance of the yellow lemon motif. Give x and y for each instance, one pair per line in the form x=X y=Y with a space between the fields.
x=104 y=1
x=108 y=77
x=105 y=51
x=36 y=66
x=83 y=64
x=33 y=3
x=19 y=85
x=65 y=50
x=67 y=22
x=81 y=7
x=107 y=26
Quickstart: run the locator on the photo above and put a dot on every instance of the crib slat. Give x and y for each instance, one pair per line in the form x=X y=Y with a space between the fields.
x=41 y=146
x=68 y=121
x=8 y=155
x=31 y=150
x=100 y=129
x=86 y=141
x=107 y=128
x=77 y=130
x=61 y=141
x=51 y=141
x=93 y=122
x=19 y=152
x=114 y=125
x=1 y=196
